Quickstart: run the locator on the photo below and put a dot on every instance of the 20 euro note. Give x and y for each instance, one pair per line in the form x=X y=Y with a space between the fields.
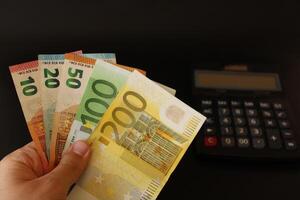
x=26 y=79
x=137 y=145
x=50 y=66
x=103 y=86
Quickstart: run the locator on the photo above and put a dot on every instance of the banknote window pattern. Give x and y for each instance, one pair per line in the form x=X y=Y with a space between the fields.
x=60 y=145
x=147 y=139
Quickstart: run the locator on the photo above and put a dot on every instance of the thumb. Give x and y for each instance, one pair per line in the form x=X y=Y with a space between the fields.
x=71 y=165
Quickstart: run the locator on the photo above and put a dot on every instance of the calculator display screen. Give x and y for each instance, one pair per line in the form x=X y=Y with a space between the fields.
x=237 y=80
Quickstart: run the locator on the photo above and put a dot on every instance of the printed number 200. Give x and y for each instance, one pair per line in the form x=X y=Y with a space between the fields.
x=125 y=111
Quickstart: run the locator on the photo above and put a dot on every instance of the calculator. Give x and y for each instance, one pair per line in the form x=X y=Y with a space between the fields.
x=247 y=116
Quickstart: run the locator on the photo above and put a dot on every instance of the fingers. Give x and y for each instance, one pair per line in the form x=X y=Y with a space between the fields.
x=71 y=166
x=24 y=158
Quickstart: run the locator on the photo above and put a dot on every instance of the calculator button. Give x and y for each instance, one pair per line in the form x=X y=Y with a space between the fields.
x=287 y=134
x=237 y=112
x=267 y=113
x=207 y=111
x=249 y=104
x=281 y=114
x=270 y=123
x=241 y=131
x=258 y=143
x=284 y=124
x=210 y=121
x=277 y=106
x=226 y=131
x=210 y=131
x=224 y=111
x=251 y=112
x=222 y=103
x=265 y=105
x=210 y=141
x=206 y=103
x=274 y=139
x=225 y=121
x=290 y=145
x=256 y=132
x=243 y=142
x=238 y=121
x=235 y=103
x=228 y=141
x=253 y=121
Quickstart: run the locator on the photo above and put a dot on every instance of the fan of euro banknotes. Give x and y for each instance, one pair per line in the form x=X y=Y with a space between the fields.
x=138 y=130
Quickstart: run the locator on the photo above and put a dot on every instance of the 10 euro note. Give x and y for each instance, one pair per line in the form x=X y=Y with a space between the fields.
x=26 y=79
x=137 y=145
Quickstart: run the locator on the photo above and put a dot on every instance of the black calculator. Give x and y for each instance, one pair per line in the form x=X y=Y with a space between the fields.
x=247 y=116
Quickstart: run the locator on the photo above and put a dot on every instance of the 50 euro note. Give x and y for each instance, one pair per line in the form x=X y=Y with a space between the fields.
x=74 y=76
x=26 y=79
x=50 y=66
x=76 y=72
x=137 y=145
x=103 y=86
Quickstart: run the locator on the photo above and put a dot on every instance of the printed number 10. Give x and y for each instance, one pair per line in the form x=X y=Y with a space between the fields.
x=29 y=89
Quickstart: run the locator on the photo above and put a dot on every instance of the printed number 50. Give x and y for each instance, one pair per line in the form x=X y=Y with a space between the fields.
x=73 y=82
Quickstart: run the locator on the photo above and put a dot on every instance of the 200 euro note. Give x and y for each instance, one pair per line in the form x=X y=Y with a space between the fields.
x=138 y=143
x=50 y=66
x=26 y=79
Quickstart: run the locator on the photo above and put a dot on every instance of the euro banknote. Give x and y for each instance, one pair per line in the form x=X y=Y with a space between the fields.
x=137 y=145
x=107 y=57
x=75 y=74
x=50 y=66
x=103 y=86
x=26 y=79
x=101 y=90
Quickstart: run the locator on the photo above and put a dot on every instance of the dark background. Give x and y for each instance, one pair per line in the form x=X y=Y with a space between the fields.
x=165 y=38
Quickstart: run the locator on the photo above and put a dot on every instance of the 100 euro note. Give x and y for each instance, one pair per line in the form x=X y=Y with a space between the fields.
x=137 y=145
x=103 y=86
x=26 y=79
x=50 y=66
x=107 y=57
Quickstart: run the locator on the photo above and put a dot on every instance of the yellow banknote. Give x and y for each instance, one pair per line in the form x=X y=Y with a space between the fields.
x=26 y=77
x=138 y=143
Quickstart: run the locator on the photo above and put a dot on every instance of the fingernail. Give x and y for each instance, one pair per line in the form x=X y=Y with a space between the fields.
x=80 y=148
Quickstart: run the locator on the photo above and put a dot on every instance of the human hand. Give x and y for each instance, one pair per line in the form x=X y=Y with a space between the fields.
x=22 y=175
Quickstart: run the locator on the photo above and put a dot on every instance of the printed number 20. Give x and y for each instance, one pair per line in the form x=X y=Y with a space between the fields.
x=51 y=82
